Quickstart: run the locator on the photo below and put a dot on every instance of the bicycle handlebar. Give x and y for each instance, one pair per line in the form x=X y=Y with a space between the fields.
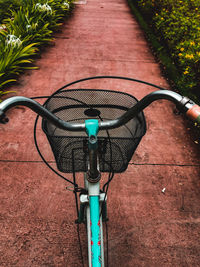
x=40 y=110
x=183 y=104
x=194 y=113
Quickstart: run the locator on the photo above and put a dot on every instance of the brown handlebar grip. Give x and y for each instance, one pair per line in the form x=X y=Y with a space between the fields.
x=194 y=113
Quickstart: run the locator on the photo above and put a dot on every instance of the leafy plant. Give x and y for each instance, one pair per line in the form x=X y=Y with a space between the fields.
x=176 y=23
x=30 y=28
x=26 y=25
x=15 y=57
x=6 y=6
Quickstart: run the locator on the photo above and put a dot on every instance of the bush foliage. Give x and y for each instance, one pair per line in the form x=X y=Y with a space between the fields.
x=25 y=26
x=177 y=25
x=6 y=6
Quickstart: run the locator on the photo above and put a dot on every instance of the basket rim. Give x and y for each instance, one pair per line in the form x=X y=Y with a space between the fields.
x=86 y=89
x=44 y=122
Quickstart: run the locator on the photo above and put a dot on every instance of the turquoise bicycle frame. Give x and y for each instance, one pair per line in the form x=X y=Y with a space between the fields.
x=94 y=223
x=95 y=232
x=95 y=229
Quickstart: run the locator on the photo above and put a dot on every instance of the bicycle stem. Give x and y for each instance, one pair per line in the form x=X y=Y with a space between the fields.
x=92 y=128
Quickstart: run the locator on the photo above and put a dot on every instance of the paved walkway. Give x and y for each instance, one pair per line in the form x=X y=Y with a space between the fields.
x=146 y=227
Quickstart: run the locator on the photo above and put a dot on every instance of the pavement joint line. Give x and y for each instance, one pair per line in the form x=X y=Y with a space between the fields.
x=118 y=60
x=136 y=164
x=25 y=161
x=165 y=164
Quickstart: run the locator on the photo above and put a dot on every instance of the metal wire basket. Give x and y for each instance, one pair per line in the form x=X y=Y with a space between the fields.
x=115 y=147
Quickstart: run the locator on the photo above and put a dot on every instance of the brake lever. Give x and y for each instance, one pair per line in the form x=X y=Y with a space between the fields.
x=3 y=118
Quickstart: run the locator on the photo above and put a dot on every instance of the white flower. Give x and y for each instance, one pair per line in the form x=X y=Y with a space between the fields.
x=28 y=27
x=13 y=40
x=2 y=27
x=65 y=4
x=38 y=5
x=43 y=8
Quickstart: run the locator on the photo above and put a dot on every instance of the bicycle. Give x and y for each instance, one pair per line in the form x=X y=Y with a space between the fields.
x=95 y=140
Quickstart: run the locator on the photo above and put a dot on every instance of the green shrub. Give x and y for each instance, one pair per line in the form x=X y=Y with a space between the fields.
x=15 y=56
x=6 y=6
x=29 y=25
x=177 y=25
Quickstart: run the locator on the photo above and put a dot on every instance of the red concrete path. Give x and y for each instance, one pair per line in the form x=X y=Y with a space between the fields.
x=146 y=227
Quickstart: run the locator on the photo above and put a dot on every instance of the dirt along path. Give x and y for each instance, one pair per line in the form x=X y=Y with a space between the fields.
x=148 y=226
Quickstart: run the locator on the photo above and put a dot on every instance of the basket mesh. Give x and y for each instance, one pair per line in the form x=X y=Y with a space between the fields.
x=115 y=146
